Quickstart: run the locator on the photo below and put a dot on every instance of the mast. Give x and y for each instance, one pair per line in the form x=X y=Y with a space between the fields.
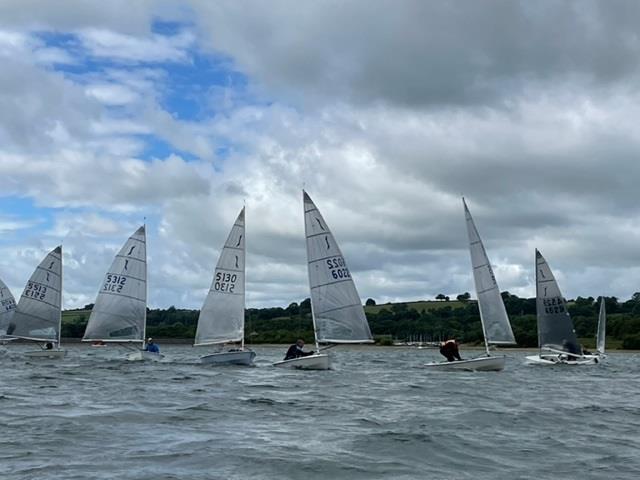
x=244 y=276
x=313 y=315
x=61 y=285
x=537 y=296
x=146 y=286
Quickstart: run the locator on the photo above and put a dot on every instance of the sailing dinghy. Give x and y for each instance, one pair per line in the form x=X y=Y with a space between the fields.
x=119 y=314
x=496 y=328
x=7 y=307
x=602 y=331
x=557 y=339
x=221 y=318
x=38 y=315
x=336 y=308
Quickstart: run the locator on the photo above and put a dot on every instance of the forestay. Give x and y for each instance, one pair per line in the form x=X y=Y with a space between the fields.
x=119 y=313
x=337 y=310
x=493 y=315
x=555 y=329
x=7 y=308
x=221 y=318
x=38 y=314
x=602 y=328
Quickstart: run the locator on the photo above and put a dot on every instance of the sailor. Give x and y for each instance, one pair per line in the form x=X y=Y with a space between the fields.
x=296 y=350
x=449 y=350
x=151 y=347
x=48 y=346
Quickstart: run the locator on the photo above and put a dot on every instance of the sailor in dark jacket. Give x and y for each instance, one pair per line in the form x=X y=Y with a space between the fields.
x=295 y=350
x=450 y=350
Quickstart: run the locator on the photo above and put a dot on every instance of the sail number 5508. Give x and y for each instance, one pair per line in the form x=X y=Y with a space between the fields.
x=338 y=268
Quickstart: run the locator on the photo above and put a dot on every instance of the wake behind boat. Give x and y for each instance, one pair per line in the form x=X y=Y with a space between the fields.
x=119 y=314
x=496 y=327
x=38 y=315
x=221 y=318
x=336 y=308
x=556 y=337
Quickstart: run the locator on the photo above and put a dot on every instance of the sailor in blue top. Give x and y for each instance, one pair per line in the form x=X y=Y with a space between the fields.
x=151 y=347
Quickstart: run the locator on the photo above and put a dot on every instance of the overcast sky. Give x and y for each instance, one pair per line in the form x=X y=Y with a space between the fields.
x=387 y=111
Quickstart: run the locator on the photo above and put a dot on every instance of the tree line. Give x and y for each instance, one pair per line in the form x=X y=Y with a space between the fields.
x=400 y=321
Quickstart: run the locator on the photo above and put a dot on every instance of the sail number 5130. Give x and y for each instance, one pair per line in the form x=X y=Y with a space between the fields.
x=225 y=282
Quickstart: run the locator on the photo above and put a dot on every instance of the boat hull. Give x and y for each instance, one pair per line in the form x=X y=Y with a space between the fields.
x=559 y=359
x=479 y=364
x=143 y=356
x=50 y=354
x=311 y=362
x=240 y=357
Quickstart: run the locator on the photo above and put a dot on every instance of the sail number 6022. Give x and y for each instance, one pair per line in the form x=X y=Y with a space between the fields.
x=338 y=268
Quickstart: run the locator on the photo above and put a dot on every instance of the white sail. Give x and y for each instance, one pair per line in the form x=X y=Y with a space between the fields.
x=602 y=328
x=7 y=308
x=38 y=314
x=336 y=306
x=493 y=315
x=119 y=313
x=555 y=329
x=221 y=318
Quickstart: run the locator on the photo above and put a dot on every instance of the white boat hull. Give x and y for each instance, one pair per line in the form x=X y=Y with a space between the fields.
x=311 y=362
x=143 y=355
x=480 y=364
x=51 y=354
x=240 y=357
x=560 y=359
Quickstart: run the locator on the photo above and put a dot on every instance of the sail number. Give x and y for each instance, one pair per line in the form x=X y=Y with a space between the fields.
x=8 y=304
x=35 y=290
x=114 y=283
x=338 y=268
x=553 y=305
x=225 y=282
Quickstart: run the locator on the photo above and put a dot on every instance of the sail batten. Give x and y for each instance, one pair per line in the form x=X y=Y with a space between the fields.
x=493 y=315
x=38 y=313
x=221 y=318
x=337 y=309
x=555 y=329
x=119 y=312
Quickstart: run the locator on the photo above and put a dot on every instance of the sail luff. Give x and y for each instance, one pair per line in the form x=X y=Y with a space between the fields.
x=555 y=329
x=496 y=327
x=119 y=312
x=221 y=318
x=602 y=328
x=38 y=313
x=336 y=306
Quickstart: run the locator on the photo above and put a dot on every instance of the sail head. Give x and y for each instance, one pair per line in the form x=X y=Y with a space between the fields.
x=119 y=312
x=555 y=329
x=337 y=309
x=38 y=313
x=495 y=321
x=221 y=318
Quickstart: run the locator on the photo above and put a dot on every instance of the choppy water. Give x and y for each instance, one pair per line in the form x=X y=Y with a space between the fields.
x=375 y=416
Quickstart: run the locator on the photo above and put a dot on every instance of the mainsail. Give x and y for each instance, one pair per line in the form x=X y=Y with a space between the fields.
x=221 y=318
x=119 y=313
x=555 y=329
x=38 y=314
x=336 y=306
x=602 y=328
x=7 y=307
x=493 y=315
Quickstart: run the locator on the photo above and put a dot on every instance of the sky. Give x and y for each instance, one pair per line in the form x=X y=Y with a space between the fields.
x=178 y=113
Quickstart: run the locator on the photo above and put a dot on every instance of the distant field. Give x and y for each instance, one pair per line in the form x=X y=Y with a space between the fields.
x=421 y=306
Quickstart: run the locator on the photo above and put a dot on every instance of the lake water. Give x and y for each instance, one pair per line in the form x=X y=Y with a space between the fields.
x=377 y=415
